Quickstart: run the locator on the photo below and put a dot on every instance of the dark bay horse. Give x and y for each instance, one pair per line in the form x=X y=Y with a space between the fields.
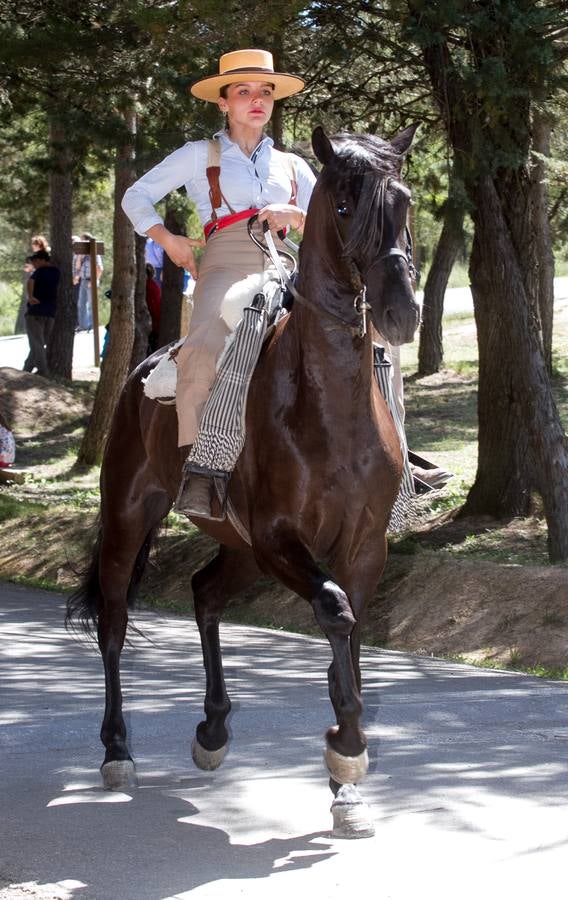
x=316 y=480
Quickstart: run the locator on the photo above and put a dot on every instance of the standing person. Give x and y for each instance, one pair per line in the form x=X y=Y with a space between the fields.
x=83 y=273
x=153 y=302
x=154 y=256
x=40 y=315
x=37 y=242
x=251 y=177
x=76 y=265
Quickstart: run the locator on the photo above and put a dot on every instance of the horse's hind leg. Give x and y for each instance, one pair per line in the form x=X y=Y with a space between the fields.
x=228 y=573
x=124 y=547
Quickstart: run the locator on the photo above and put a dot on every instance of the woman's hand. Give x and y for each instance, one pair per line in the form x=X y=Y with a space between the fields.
x=180 y=251
x=279 y=215
x=178 y=247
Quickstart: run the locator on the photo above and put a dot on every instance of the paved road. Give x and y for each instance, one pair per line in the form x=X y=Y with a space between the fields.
x=468 y=781
x=15 y=348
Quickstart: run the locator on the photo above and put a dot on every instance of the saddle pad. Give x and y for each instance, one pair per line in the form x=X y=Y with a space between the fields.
x=160 y=384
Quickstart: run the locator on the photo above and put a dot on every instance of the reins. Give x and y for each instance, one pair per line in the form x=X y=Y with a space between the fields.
x=360 y=304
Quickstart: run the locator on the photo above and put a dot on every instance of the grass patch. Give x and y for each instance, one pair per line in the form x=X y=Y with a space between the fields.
x=513 y=664
x=10 y=297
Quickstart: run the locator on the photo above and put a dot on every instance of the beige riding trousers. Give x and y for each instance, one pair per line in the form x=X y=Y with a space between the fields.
x=230 y=256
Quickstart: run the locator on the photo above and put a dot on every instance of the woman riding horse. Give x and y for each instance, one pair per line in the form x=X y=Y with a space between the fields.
x=321 y=465
x=253 y=178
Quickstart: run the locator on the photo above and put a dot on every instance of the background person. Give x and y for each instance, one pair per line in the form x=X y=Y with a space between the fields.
x=83 y=274
x=153 y=302
x=40 y=315
x=154 y=255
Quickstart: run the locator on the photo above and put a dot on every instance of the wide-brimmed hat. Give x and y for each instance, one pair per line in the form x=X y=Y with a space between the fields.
x=247 y=65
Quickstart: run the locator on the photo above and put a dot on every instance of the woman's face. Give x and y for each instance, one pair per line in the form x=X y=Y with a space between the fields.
x=248 y=103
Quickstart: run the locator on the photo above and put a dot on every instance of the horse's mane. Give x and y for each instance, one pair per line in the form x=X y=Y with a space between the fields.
x=370 y=163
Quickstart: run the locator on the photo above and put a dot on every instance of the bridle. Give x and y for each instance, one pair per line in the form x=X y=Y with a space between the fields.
x=360 y=303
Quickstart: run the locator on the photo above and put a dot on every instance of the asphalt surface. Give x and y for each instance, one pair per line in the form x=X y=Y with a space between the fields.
x=468 y=783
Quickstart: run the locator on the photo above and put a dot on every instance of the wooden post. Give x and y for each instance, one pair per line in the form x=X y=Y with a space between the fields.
x=94 y=248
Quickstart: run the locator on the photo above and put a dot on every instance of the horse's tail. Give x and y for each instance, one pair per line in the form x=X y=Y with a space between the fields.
x=84 y=605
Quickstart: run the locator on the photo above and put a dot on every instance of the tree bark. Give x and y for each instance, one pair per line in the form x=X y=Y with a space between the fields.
x=430 y=348
x=142 y=321
x=121 y=337
x=60 y=348
x=543 y=235
x=522 y=444
x=172 y=282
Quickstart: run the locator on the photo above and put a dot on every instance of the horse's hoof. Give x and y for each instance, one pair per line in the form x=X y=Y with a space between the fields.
x=208 y=760
x=118 y=774
x=346 y=769
x=351 y=815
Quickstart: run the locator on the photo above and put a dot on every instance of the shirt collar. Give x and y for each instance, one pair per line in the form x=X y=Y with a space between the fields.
x=226 y=141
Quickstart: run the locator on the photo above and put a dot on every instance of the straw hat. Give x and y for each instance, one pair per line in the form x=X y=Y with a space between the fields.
x=246 y=65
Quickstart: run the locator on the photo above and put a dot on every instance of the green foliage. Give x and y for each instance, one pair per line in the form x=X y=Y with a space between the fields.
x=490 y=62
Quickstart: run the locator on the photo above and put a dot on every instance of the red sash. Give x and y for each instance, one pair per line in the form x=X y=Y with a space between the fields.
x=225 y=221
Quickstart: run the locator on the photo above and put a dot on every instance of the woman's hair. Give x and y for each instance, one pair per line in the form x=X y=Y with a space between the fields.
x=40 y=242
x=150 y=270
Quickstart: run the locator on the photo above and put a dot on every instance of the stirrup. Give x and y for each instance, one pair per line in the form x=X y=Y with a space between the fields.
x=197 y=490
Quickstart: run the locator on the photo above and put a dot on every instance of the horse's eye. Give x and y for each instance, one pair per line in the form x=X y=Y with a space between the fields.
x=342 y=209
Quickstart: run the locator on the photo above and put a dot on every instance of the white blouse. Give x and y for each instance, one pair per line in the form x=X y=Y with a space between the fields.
x=246 y=182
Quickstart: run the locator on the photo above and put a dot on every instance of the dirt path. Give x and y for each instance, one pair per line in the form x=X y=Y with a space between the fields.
x=429 y=601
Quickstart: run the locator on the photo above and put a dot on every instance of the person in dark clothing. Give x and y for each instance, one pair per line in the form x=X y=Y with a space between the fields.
x=40 y=314
x=153 y=301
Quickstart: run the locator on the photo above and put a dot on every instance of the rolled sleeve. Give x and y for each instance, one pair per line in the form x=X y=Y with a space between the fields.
x=174 y=171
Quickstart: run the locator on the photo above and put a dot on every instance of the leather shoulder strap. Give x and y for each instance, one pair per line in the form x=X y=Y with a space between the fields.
x=213 y=172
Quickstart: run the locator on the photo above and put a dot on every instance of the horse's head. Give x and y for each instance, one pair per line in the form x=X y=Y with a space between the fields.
x=369 y=206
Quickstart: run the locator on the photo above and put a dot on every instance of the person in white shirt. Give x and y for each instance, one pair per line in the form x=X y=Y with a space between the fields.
x=253 y=177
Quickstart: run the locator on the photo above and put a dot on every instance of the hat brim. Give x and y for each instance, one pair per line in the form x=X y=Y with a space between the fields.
x=284 y=85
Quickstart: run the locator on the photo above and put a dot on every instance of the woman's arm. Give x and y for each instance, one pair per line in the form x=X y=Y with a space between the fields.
x=171 y=173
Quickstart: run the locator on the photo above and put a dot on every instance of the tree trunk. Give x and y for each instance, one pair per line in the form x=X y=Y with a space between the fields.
x=121 y=337
x=60 y=348
x=142 y=321
x=522 y=444
x=172 y=282
x=521 y=440
x=430 y=348
x=543 y=235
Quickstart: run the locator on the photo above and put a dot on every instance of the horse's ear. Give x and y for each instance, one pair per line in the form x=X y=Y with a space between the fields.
x=402 y=142
x=323 y=148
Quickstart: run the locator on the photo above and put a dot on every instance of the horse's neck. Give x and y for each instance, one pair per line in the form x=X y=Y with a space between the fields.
x=338 y=363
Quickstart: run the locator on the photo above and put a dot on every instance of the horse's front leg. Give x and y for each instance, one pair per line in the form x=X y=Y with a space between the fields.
x=285 y=557
x=227 y=573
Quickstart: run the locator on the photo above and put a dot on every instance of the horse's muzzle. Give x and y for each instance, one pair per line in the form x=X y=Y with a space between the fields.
x=397 y=322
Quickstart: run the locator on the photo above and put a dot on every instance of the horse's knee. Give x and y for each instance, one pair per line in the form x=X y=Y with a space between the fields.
x=333 y=611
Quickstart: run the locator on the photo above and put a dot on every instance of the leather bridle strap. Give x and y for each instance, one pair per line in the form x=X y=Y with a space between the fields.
x=360 y=304
x=303 y=301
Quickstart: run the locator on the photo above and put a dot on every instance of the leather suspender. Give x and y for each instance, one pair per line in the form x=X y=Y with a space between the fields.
x=213 y=172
